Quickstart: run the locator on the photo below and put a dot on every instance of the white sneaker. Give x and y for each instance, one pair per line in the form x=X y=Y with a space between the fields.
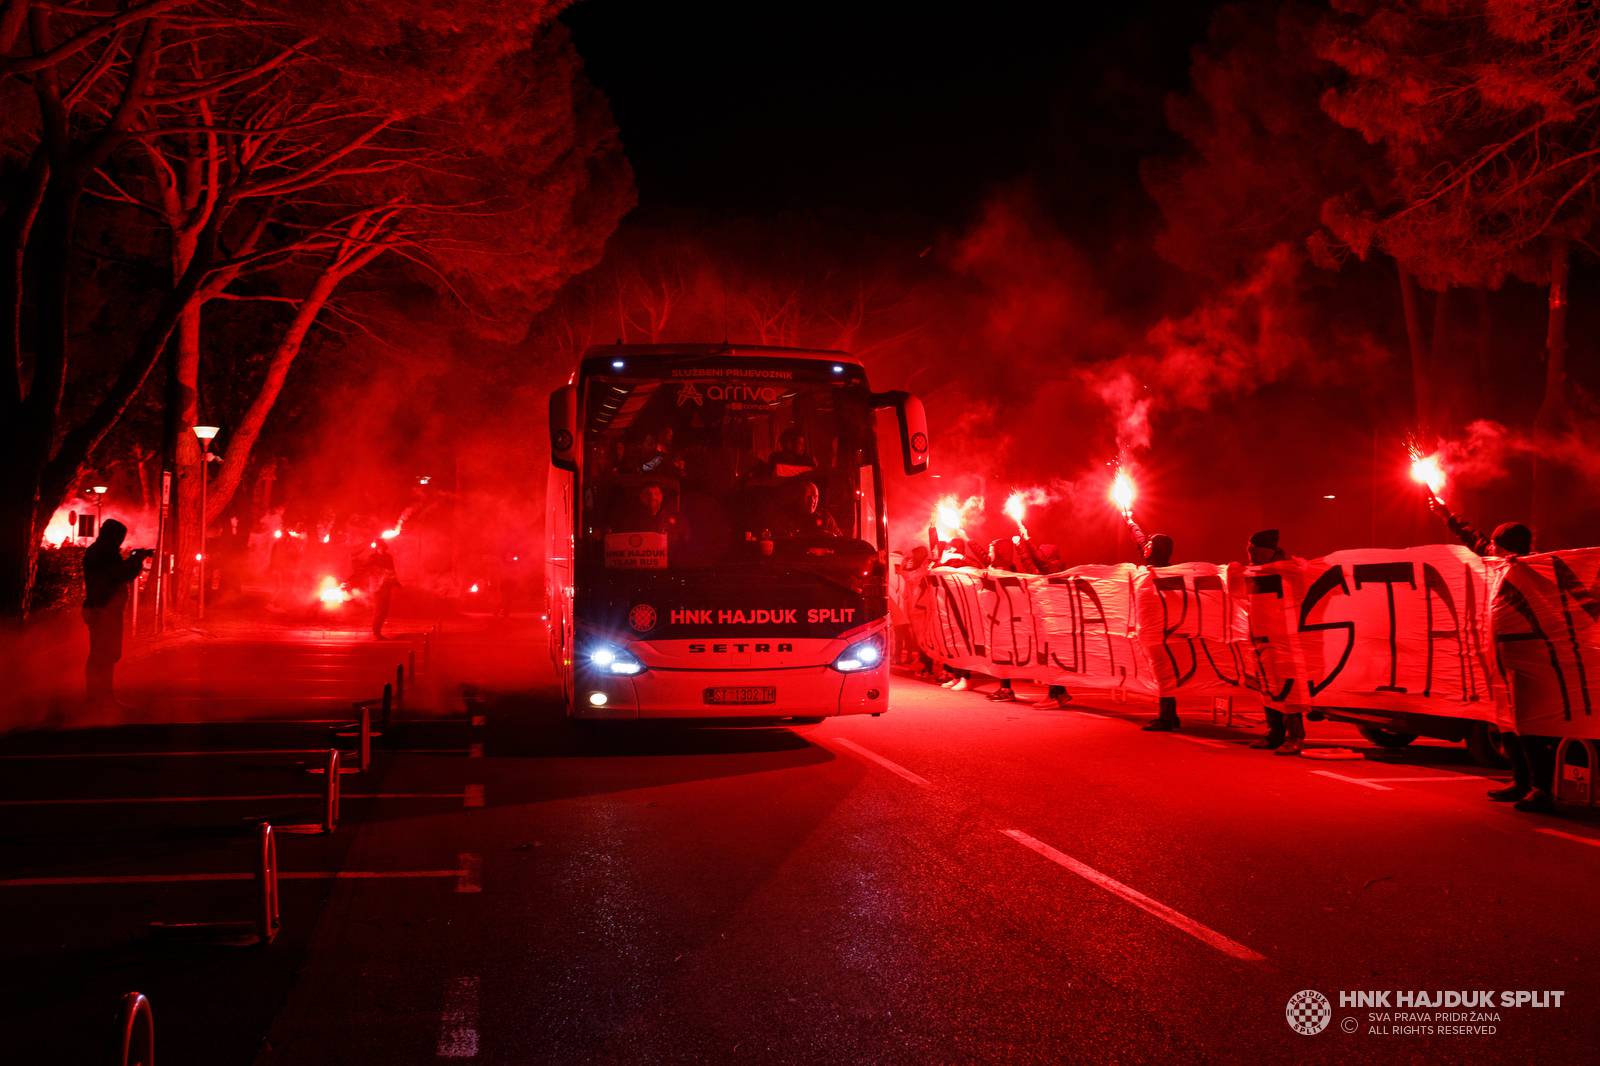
x=960 y=685
x=947 y=684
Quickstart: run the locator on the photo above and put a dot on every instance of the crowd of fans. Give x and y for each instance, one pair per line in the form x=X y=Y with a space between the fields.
x=1532 y=758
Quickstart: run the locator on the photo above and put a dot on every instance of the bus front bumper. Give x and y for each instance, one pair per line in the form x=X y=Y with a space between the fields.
x=802 y=692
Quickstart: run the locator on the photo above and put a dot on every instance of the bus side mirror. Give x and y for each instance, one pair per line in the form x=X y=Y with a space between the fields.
x=913 y=428
x=564 y=428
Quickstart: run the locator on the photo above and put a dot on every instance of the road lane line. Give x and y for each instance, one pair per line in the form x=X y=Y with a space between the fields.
x=475 y=750
x=1441 y=777
x=162 y=754
x=172 y=879
x=1177 y=920
x=1353 y=780
x=470 y=874
x=1593 y=842
x=473 y=796
x=93 y=801
x=892 y=767
x=1201 y=740
x=458 y=1022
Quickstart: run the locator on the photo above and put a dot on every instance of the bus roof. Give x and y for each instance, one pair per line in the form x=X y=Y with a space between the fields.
x=708 y=351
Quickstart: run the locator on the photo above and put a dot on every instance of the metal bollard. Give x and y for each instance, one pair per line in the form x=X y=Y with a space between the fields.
x=364 y=738
x=267 y=884
x=387 y=702
x=135 y=1007
x=330 y=799
x=400 y=687
x=1575 y=784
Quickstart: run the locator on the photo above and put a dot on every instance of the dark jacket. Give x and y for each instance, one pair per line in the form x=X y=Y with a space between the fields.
x=107 y=575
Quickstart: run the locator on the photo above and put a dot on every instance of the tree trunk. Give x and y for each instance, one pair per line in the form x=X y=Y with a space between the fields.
x=1553 y=407
x=248 y=430
x=19 y=526
x=184 y=397
x=35 y=418
x=1411 y=305
x=1440 y=399
x=1483 y=348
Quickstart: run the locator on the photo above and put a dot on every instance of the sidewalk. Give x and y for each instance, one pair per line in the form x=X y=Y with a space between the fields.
x=243 y=660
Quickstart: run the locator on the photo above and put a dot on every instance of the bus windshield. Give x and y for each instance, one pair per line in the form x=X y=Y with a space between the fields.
x=727 y=465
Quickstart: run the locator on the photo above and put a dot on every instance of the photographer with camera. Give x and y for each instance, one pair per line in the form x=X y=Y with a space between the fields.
x=106 y=577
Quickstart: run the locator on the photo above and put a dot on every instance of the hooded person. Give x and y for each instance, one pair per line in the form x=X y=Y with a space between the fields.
x=1532 y=758
x=1286 y=730
x=1156 y=551
x=377 y=573
x=106 y=577
x=1508 y=540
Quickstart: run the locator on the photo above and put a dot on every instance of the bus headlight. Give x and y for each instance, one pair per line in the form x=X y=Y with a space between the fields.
x=610 y=659
x=862 y=655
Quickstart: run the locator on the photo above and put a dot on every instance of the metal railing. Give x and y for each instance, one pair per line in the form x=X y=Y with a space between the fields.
x=137 y=1019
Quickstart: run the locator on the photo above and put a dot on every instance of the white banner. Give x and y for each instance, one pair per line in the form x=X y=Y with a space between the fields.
x=1434 y=630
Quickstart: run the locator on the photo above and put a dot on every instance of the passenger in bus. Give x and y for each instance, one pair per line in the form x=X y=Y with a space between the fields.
x=649 y=513
x=658 y=456
x=804 y=516
x=792 y=458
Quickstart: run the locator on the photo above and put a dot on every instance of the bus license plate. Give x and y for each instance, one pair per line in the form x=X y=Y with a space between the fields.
x=743 y=694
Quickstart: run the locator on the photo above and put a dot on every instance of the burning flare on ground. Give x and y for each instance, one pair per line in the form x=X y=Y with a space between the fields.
x=1426 y=470
x=950 y=516
x=1123 y=492
x=332 y=594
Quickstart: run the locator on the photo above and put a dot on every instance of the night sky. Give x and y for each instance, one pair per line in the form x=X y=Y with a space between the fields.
x=897 y=110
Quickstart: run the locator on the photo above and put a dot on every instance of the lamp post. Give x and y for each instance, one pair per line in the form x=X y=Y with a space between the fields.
x=206 y=434
x=99 y=505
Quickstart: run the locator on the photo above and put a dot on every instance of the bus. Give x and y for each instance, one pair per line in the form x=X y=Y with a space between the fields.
x=717 y=544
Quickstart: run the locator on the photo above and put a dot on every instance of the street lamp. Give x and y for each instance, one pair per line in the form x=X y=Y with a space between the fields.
x=206 y=434
x=99 y=504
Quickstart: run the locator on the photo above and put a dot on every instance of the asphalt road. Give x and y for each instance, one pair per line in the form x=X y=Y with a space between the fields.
x=954 y=881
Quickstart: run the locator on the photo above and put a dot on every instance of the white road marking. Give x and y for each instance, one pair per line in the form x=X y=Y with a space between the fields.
x=169 y=879
x=1353 y=781
x=892 y=767
x=1202 y=933
x=1381 y=784
x=473 y=796
x=145 y=800
x=470 y=875
x=475 y=750
x=163 y=754
x=458 y=1022
x=1200 y=740
x=1593 y=842
x=1436 y=777
x=477 y=721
